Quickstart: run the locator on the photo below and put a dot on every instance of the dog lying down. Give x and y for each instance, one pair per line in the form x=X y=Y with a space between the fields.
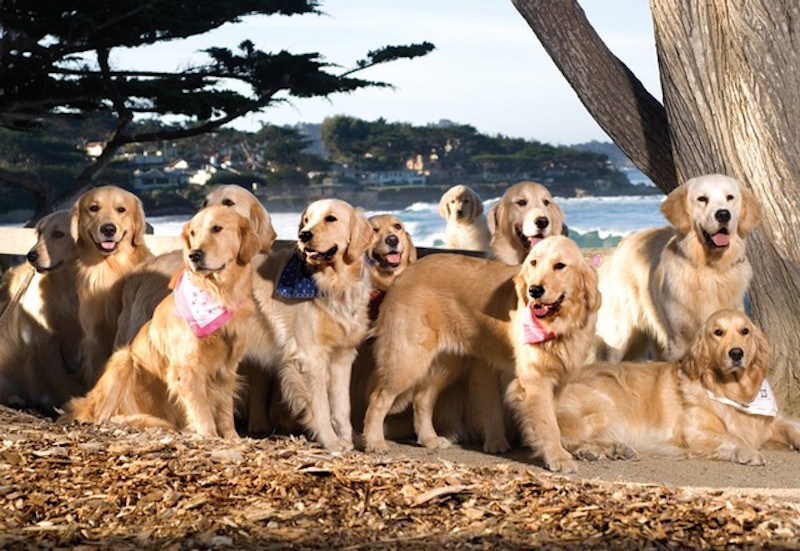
x=715 y=403
x=180 y=370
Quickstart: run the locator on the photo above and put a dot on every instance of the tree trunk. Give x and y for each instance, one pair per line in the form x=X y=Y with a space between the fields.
x=634 y=119
x=730 y=81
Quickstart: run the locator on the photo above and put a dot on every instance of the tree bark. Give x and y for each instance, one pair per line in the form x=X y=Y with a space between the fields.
x=730 y=82
x=629 y=114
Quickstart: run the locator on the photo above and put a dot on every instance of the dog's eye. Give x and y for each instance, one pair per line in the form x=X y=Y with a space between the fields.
x=57 y=234
x=718 y=332
x=191 y=233
x=94 y=208
x=729 y=198
x=398 y=227
x=121 y=209
x=522 y=202
x=216 y=229
x=330 y=218
x=745 y=331
x=703 y=199
x=375 y=230
x=559 y=266
x=546 y=202
x=533 y=262
x=228 y=202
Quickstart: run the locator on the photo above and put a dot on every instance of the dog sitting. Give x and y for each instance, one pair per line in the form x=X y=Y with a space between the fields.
x=467 y=227
x=714 y=403
x=535 y=321
x=180 y=370
x=312 y=314
x=39 y=327
x=107 y=224
x=523 y=216
x=660 y=285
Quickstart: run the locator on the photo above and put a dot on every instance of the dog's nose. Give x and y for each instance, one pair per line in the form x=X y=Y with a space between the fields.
x=736 y=354
x=32 y=257
x=542 y=222
x=392 y=240
x=108 y=230
x=196 y=255
x=536 y=291
x=305 y=236
x=723 y=216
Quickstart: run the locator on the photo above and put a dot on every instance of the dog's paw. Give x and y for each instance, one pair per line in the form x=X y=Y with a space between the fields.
x=747 y=456
x=436 y=443
x=496 y=445
x=378 y=447
x=561 y=463
x=623 y=451
x=587 y=454
x=339 y=445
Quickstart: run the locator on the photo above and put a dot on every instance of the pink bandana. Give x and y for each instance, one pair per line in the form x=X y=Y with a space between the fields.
x=198 y=308
x=532 y=331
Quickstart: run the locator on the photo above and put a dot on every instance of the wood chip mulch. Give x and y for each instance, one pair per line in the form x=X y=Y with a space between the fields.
x=118 y=488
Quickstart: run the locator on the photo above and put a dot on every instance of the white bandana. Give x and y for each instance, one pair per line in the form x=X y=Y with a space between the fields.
x=763 y=404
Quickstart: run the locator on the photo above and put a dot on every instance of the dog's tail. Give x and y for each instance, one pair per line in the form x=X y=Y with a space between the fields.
x=111 y=396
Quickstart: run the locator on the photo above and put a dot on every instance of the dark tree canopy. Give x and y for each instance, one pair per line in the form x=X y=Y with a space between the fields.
x=55 y=61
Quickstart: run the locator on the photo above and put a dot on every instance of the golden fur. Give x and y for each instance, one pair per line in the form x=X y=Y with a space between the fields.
x=146 y=286
x=455 y=304
x=310 y=344
x=169 y=376
x=523 y=216
x=39 y=328
x=615 y=410
x=659 y=285
x=107 y=224
x=391 y=252
x=467 y=227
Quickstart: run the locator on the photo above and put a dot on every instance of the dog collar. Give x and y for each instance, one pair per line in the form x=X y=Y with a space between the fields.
x=296 y=281
x=533 y=332
x=200 y=310
x=375 y=300
x=763 y=404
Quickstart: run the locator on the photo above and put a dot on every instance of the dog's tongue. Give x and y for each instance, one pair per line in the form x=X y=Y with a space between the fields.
x=540 y=310
x=393 y=258
x=721 y=239
x=533 y=240
x=108 y=245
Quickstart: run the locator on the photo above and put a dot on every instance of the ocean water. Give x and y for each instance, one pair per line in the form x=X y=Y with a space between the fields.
x=593 y=221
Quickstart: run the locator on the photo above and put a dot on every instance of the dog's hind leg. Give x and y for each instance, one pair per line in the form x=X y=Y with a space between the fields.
x=339 y=392
x=444 y=370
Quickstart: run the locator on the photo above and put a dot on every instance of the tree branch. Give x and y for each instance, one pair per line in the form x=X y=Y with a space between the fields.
x=42 y=192
x=632 y=117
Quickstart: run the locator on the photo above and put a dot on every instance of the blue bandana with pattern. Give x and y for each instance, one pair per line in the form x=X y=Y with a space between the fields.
x=296 y=281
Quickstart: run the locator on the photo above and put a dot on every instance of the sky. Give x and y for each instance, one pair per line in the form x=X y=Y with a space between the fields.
x=488 y=70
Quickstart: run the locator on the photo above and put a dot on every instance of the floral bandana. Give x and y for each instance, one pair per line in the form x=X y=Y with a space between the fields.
x=200 y=310
x=295 y=281
x=532 y=331
x=763 y=404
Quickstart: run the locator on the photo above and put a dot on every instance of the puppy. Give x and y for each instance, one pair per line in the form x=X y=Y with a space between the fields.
x=660 y=285
x=180 y=370
x=523 y=216
x=534 y=320
x=466 y=228
x=148 y=284
x=107 y=224
x=312 y=315
x=714 y=403
x=39 y=327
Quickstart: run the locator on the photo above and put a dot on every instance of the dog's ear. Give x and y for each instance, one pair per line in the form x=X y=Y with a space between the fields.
x=763 y=353
x=520 y=285
x=751 y=212
x=250 y=242
x=495 y=214
x=591 y=291
x=362 y=236
x=75 y=219
x=263 y=227
x=698 y=359
x=675 y=209
x=139 y=223
x=477 y=206
x=557 y=218
x=410 y=250
x=444 y=205
x=302 y=220
x=185 y=235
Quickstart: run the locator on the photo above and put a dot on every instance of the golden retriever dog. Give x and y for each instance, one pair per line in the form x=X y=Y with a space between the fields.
x=39 y=327
x=392 y=252
x=148 y=284
x=714 y=403
x=523 y=216
x=466 y=229
x=312 y=302
x=535 y=320
x=660 y=285
x=107 y=224
x=180 y=370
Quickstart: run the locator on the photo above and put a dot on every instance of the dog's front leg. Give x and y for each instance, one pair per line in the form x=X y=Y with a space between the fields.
x=341 y=369
x=192 y=392
x=533 y=397
x=314 y=371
